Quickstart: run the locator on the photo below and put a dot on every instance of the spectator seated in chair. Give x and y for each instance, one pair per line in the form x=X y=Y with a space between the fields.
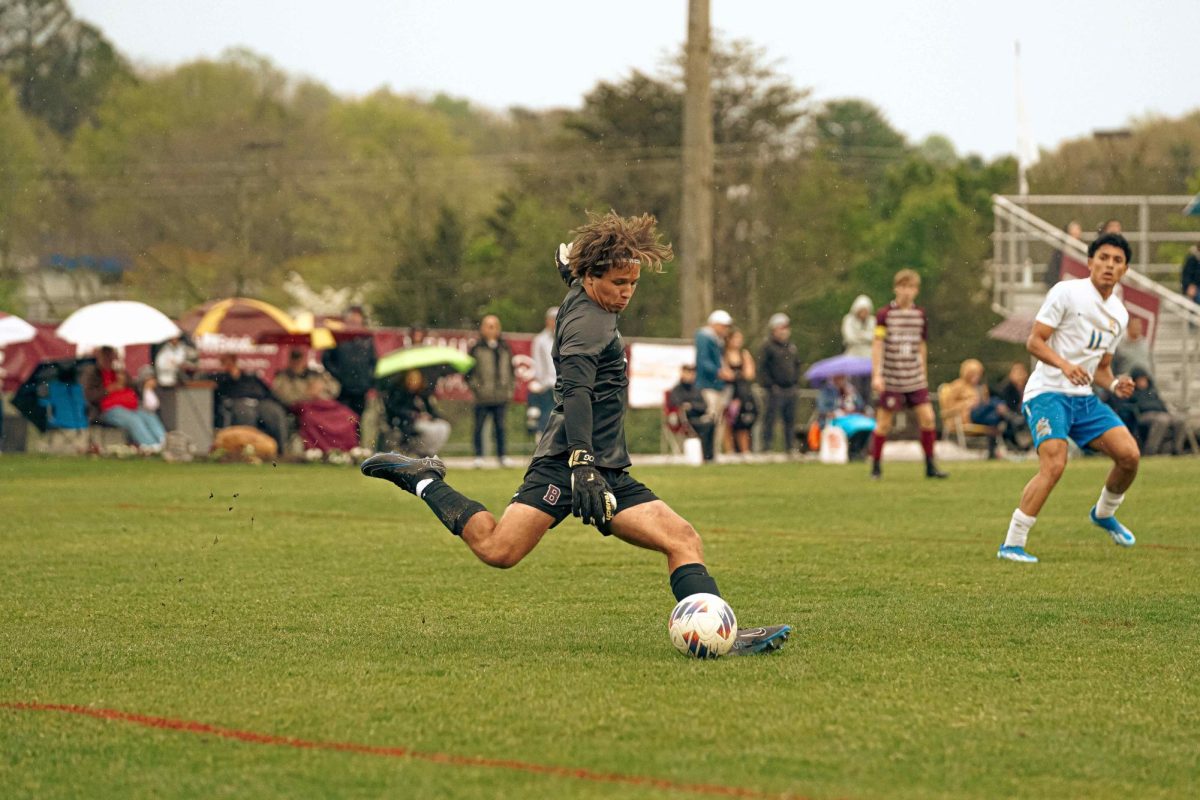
x=1157 y=429
x=64 y=402
x=839 y=403
x=321 y=421
x=968 y=409
x=1011 y=392
x=688 y=403
x=114 y=401
x=413 y=415
x=244 y=399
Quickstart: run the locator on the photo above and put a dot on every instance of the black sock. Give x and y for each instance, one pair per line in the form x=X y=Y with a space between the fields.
x=452 y=508
x=692 y=579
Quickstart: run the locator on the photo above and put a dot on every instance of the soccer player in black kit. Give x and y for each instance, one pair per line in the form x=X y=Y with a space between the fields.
x=580 y=464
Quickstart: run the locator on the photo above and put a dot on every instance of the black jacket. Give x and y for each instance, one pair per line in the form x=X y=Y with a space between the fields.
x=778 y=365
x=352 y=362
x=403 y=408
x=687 y=398
x=244 y=387
x=1191 y=270
x=1146 y=401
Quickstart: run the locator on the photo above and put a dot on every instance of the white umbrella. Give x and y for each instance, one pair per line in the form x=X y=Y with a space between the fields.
x=14 y=330
x=117 y=323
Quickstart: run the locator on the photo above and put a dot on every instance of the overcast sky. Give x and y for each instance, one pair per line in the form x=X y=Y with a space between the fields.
x=932 y=66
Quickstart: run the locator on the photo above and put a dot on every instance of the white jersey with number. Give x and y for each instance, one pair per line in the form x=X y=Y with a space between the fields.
x=1086 y=326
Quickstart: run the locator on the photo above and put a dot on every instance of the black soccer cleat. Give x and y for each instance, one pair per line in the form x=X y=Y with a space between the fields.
x=753 y=641
x=931 y=471
x=876 y=471
x=404 y=471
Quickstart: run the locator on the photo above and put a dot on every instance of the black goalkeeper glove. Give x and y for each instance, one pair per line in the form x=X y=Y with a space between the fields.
x=562 y=261
x=591 y=498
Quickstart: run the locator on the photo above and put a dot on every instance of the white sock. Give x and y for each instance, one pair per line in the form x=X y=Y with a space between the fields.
x=1108 y=503
x=422 y=485
x=1018 y=529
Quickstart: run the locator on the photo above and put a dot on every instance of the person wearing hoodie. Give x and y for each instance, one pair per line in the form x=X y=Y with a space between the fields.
x=858 y=327
x=858 y=333
x=1154 y=420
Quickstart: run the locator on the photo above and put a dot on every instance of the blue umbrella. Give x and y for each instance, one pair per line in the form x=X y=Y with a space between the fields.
x=850 y=366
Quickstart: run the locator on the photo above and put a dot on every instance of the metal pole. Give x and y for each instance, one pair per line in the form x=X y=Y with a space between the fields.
x=1144 y=235
x=998 y=256
x=1185 y=365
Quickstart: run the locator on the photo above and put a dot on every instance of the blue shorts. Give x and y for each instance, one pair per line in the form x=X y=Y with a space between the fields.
x=1083 y=418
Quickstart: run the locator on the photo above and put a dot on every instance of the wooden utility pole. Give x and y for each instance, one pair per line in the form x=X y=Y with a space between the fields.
x=696 y=212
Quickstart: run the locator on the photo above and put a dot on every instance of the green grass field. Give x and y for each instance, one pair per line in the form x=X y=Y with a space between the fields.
x=308 y=602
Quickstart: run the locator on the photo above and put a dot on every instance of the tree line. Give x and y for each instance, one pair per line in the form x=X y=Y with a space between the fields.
x=224 y=176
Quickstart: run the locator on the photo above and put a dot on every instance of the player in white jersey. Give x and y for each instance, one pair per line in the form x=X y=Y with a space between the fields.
x=1074 y=337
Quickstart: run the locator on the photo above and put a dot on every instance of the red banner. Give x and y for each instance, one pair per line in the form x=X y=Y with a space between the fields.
x=18 y=361
x=267 y=359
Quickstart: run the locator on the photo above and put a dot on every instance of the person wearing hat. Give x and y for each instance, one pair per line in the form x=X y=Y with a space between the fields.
x=689 y=402
x=712 y=375
x=779 y=371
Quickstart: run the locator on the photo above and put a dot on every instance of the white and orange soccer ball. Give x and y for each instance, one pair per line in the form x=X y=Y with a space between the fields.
x=703 y=626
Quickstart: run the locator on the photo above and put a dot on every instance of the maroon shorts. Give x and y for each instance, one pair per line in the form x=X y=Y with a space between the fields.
x=898 y=401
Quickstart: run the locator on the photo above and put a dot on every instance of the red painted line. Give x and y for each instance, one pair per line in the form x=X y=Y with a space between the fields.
x=252 y=737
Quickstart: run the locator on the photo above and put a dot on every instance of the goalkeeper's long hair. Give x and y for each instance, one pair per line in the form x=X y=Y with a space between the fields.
x=610 y=240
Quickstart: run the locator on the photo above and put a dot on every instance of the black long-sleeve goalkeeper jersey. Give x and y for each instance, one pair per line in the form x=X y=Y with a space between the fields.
x=591 y=388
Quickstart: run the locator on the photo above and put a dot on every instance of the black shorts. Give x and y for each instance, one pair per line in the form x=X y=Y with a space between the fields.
x=547 y=487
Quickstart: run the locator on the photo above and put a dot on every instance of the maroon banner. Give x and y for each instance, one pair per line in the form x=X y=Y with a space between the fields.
x=18 y=361
x=267 y=359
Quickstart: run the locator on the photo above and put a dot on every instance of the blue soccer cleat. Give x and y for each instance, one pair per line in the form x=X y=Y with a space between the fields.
x=751 y=641
x=1119 y=533
x=1017 y=554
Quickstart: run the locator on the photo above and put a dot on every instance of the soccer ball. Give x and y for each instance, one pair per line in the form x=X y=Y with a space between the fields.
x=702 y=626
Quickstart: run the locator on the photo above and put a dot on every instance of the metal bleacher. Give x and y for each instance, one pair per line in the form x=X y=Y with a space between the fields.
x=1023 y=242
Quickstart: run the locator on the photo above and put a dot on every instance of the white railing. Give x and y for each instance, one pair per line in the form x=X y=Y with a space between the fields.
x=1139 y=215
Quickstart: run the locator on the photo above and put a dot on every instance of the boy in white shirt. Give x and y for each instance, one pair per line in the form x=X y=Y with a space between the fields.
x=1074 y=337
